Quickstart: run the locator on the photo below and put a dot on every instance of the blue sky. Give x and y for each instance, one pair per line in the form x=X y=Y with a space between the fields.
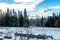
x=48 y=3
x=33 y=7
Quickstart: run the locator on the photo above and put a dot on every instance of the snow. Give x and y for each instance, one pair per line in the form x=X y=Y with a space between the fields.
x=55 y=32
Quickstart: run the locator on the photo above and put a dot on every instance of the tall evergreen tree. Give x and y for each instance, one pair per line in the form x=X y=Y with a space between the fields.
x=42 y=19
x=21 y=19
x=14 y=18
x=7 y=20
x=26 y=22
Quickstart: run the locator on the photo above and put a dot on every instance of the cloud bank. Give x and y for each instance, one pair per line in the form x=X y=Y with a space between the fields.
x=28 y=4
x=47 y=11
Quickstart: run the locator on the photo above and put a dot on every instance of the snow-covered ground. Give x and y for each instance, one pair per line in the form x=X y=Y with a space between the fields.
x=55 y=32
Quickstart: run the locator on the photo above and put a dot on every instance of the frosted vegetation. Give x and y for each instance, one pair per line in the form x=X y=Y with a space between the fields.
x=54 y=32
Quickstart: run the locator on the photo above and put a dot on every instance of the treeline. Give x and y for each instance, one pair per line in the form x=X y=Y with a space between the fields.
x=50 y=21
x=53 y=21
x=11 y=18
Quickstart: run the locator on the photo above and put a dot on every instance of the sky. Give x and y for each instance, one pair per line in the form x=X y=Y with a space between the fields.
x=33 y=7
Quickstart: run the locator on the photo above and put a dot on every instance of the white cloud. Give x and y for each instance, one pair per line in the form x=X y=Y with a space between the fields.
x=3 y=6
x=42 y=10
x=54 y=7
x=28 y=4
x=44 y=14
x=24 y=0
x=47 y=11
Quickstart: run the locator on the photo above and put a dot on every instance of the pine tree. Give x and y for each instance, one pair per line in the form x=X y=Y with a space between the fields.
x=14 y=18
x=21 y=19
x=58 y=21
x=51 y=21
x=42 y=20
x=26 y=21
x=7 y=20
